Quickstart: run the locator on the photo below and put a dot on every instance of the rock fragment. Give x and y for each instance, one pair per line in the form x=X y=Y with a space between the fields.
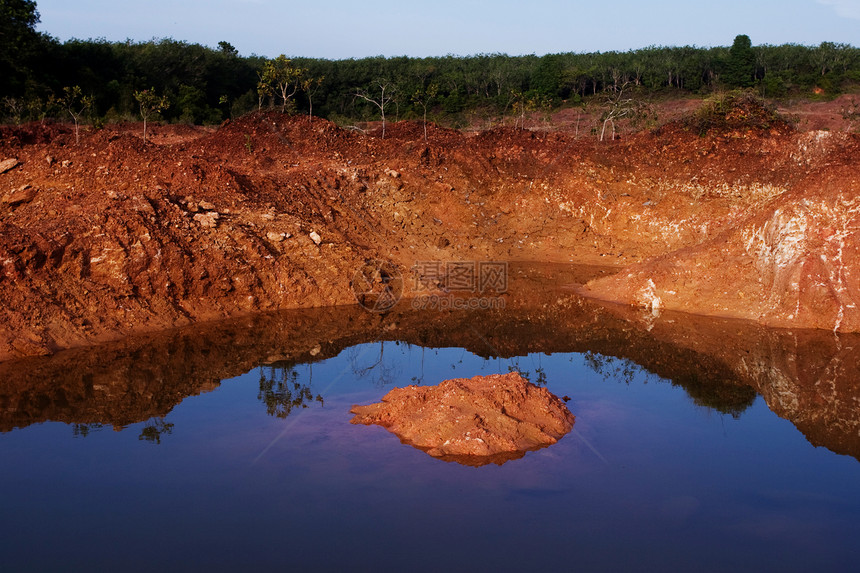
x=8 y=164
x=209 y=220
x=24 y=194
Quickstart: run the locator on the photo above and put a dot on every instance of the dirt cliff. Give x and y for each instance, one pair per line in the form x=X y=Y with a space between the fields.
x=112 y=236
x=791 y=261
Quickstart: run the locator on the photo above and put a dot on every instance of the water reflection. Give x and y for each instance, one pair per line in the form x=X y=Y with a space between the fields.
x=811 y=378
x=282 y=391
x=726 y=398
x=154 y=429
x=376 y=369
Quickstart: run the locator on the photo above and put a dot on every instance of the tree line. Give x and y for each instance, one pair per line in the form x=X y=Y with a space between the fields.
x=206 y=85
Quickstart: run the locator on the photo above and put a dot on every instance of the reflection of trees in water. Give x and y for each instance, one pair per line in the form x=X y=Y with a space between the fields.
x=84 y=430
x=281 y=391
x=539 y=372
x=154 y=429
x=723 y=396
x=381 y=373
x=612 y=368
x=418 y=380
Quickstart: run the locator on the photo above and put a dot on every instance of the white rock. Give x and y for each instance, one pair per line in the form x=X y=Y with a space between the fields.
x=207 y=219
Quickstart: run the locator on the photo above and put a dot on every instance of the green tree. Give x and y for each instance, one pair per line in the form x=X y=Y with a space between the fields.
x=227 y=49
x=154 y=429
x=150 y=103
x=740 y=68
x=280 y=77
x=548 y=76
x=192 y=108
x=18 y=38
x=282 y=392
x=76 y=104
x=310 y=86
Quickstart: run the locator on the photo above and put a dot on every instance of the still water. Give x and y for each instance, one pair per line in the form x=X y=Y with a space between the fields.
x=706 y=446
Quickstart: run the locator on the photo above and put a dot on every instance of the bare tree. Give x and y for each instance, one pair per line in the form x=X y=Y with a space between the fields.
x=523 y=104
x=41 y=109
x=619 y=105
x=424 y=97
x=383 y=374
x=14 y=107
x=581 y=109
x=380 y=102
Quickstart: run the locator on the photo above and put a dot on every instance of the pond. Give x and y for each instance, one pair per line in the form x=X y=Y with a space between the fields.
x=699 y=444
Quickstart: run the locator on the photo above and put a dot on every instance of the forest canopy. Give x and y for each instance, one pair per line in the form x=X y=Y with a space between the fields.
x=205 y=85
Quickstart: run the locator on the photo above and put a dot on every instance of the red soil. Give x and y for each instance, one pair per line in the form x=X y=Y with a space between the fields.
x=114 y=236
x=472 y=421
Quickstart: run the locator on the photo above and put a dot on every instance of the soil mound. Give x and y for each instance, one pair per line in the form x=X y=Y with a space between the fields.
x=472 y=421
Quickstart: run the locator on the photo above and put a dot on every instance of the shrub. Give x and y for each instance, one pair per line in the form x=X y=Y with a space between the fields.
x=735 y=110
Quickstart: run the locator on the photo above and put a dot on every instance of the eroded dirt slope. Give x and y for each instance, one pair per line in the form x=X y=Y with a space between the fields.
x=791 y=262
x=111 y=236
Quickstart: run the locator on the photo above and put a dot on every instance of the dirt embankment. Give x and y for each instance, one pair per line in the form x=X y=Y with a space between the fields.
x=112 y=236
x=790 y=261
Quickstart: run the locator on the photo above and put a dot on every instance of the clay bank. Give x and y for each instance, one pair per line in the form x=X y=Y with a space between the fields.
x=113 y=236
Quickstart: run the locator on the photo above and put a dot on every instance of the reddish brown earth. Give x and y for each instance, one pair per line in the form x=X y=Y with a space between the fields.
x=789 y=260
x=472 y=421
x=114 y=236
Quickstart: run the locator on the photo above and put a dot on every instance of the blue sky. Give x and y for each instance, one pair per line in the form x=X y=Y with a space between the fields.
x=345 y=29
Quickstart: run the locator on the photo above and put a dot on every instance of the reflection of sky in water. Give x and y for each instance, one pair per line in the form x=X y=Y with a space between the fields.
x=647 y=480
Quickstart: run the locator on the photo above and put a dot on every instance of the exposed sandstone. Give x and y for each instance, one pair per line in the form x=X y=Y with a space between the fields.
x=472 y=421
